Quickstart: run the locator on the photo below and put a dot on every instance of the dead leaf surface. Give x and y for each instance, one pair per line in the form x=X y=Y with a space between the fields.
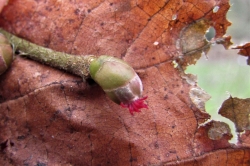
x=238 y=111
x=49 y=117
x=245 y=51
x=218 y=130
x=225 y=41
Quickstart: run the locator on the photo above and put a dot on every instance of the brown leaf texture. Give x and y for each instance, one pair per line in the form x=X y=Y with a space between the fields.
x=238 y=111
x=49 y=117
x=244 y=50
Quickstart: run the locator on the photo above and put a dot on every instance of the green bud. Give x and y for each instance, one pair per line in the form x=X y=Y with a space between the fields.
x=119 y=81
x=6 y=54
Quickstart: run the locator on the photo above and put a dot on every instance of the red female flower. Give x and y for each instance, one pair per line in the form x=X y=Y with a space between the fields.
x=136 y=105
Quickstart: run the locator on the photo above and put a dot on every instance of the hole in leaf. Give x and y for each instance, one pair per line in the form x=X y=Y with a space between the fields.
x=210 y=33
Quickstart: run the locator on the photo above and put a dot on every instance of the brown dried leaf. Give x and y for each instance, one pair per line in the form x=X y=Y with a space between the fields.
x=199 y=97
x=49 y=117
x=238 y=111
x=225 y=41
x=193 y=42
x=220 y=157
x=243 y=50
x=218 y=130
x=207 y=134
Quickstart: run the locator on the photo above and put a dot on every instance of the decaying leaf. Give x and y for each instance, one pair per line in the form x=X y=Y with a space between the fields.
x=49 y=117
x=193 y=42
x=225 y=41
x=199 y=97
x=218 y=130
x=245 y=51
x=238 y=111
x=221 y=157
x=215 y=134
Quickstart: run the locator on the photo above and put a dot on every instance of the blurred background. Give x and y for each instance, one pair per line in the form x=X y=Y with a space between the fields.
x=221 y=72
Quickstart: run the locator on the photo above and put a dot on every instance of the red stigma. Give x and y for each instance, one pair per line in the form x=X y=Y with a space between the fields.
x=135 y=105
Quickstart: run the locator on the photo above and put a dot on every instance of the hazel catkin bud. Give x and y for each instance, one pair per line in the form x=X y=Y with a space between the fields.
x=119 y=81
x=6 y=54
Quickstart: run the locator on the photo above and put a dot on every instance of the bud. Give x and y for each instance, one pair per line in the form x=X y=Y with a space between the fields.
x=6 y=54
x=119 y=81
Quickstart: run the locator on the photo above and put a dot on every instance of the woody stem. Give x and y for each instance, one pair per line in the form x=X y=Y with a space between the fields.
x=76 y=64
